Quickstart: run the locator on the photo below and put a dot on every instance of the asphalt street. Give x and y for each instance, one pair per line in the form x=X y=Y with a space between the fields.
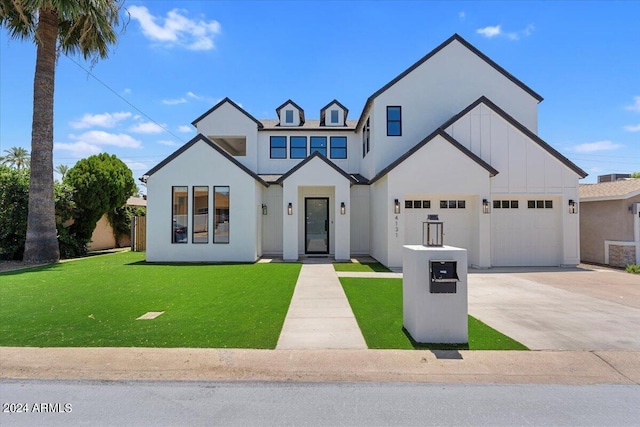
x=145 y=403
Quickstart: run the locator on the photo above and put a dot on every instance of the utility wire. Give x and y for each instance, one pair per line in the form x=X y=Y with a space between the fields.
x=124 y=99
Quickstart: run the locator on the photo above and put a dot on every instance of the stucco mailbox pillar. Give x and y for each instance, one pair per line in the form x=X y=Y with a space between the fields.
x=434 y=293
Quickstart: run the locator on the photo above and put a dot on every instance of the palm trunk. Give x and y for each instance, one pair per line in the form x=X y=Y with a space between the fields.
x=41 y=242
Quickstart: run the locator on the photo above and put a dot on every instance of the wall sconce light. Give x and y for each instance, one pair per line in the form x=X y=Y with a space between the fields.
x=264 y=209
x=485 y=206
x=343 y=208
x=573 y=208
x=290 y=209
x=396 y=206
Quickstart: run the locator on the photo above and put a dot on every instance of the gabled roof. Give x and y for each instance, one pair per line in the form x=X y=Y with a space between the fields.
x=300 y=110
x=200 y=137
x=215 y=107
x=309 y=124
x=316 y=154
x=499 y=111
x=425 y=58
x=450 y=139
x=324 y=109
x=615 y=190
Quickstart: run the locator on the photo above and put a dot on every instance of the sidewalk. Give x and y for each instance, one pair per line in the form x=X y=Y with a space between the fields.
x=319 y=315
x=184 y=364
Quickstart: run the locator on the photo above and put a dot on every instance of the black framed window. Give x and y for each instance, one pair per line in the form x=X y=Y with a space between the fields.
x=334 y=116
x=540 y=204
x=426 y=204
x=288 y=116
x=417 y=204
x=507 y=204
x=221 y=210
x=319 y=144
x=338 y=147
x=408 y=204
x=394 y=121
x=452 y=204
x=200 y=215
x=179 y=211
x=297 y=147
x=278 y=147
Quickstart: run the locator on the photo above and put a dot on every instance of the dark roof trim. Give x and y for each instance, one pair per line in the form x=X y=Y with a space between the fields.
x=323 y=112
x=484 y=100
x=215 y=107
x=360 y=180
x=224 y=154
x=307 y=160
x=438 y=132
x=300 y=110
x=345 y=129
x=469 y=46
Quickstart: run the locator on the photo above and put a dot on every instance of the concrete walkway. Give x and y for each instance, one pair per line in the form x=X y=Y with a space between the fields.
x=319 y=316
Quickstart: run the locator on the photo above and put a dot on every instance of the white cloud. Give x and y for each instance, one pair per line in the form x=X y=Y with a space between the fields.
x=632 y=128
x=78 y=149
x=105 y=120
x=126 y=91
x=185 y=129
x=174 y=101
x=176 y=28
x=168 y=143
x=99 y=137
x=193 y=95
x=635 y=106
x=489 y=32
x=134 y=166
x=147 y=127
x=592 y=147
x=461 y=14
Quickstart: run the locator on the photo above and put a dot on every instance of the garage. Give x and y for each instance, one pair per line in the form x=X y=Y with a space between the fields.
x=526 y=231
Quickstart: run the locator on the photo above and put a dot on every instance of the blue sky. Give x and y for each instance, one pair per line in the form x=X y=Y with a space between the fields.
x=177 y=59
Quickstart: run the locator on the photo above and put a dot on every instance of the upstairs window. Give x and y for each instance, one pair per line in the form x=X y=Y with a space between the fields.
x=366 y=135
x=338 y=149
x=288 y=116
x=334 y=116
x=394 y=121
x=179 y=196
x=278 y=147
x=319 y=144
x=298 y=147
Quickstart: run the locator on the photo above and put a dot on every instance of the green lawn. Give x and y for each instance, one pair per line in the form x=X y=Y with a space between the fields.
x=95 y=301
x=367 y=267
x=377 y=305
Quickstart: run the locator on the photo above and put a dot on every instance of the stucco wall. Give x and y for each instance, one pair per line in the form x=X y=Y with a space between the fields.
x=102 y=237
x=604 y=220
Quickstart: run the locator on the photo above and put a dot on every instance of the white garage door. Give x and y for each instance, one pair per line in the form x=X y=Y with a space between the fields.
x=525 y=232
x=455 y=212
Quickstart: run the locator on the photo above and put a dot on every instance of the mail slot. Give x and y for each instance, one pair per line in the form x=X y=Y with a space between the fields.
x=443 y=277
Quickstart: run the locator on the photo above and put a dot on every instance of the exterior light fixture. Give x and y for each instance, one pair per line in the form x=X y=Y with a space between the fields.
x=264 y=209
x=485 y=206
x=396 y=206
x=432 y=231
x=573 y=208
x=290 y=209
x=343 y=209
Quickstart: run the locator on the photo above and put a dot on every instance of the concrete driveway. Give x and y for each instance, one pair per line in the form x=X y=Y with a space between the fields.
x=584 y=308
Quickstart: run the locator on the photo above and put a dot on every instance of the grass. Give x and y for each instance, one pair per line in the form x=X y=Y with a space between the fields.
x=377 y=305
x=95 y=301
x=367 y=267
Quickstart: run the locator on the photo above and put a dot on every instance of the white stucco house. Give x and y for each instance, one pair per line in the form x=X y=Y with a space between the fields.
x=453 y=135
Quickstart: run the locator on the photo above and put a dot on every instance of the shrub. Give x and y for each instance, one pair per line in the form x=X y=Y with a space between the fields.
x=633 y=268
x=14 y=203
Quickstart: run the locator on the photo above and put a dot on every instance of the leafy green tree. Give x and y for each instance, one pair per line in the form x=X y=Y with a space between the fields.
x=17 y=157
x=101 y=183
x=87 y=27
x=635 y=175
x=14 y=195
x=62 y=170
x=120 y=219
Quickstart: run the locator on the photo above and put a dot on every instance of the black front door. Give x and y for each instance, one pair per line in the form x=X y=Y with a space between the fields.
x=316 y=226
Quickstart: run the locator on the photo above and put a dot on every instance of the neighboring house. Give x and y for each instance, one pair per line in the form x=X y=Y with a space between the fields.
x=610 y=222
x=454 y=135
x=103 y=238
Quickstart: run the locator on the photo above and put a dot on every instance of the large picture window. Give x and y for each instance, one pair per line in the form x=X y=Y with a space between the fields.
x=221 y=210
x=338 y=147
x=394 y=121
x=179 y=196
x=200 y=212
x=319 y=144
x=278 y=147
x=298 y=147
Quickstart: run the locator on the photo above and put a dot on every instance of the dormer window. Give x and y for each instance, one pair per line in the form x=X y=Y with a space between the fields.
x=333 y=114
x=288 y=116
x=334 y=117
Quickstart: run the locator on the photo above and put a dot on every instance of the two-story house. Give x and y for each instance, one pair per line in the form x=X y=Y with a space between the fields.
x=453 y=135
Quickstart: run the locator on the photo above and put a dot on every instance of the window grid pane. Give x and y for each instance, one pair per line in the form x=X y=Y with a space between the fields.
x=319 y=144
x=338 y=147
x=200 y=212
x=394 y=121
x=288 y=116
x=334 y=116
x=278 y=147
x=298 y=146
x=179 y=198
x=221 y=210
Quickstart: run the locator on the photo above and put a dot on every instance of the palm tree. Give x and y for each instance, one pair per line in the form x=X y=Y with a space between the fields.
x=17 y=157
x=62 y=170
x=87 y=27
